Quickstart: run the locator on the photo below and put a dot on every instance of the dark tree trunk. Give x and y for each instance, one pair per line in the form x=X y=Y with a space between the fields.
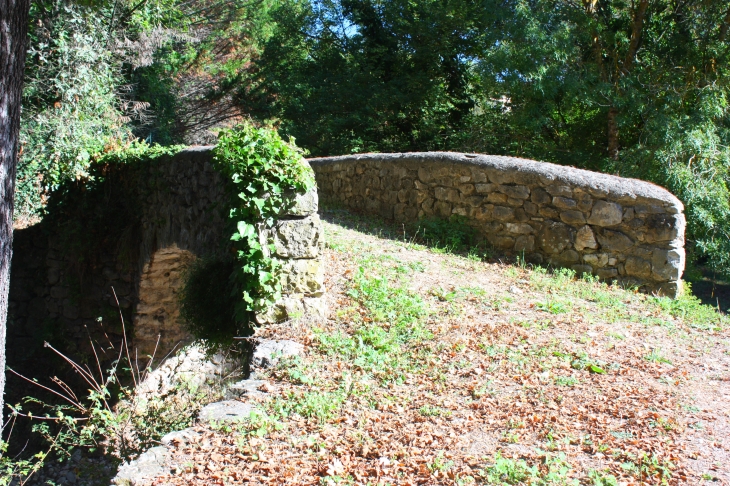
x=13 y=41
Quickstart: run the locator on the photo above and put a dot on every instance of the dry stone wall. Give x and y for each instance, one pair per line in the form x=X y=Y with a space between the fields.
x=616 y=228
x=181 y=203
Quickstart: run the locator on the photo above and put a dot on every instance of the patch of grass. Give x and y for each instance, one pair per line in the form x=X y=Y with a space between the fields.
x=566 y=380
x=656 y=357
x=691 y=310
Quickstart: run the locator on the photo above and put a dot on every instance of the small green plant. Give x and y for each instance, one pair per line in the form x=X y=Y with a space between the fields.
x=656 y=357
x=566 y=380
x=507 y=471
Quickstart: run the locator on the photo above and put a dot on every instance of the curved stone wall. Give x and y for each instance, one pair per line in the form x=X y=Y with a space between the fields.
x=616 y=228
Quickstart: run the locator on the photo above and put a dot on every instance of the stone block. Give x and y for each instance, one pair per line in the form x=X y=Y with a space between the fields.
x=530 y=208
x=606 y=213
x=572 y=217
x=501 y=242
x=446 y=194
x=502 y=213
x=596 y=260
x=585 y=202
x=607 y=273
x=485 y=188
x=555 y=237
x=663 y=227
x=518 y=228
x=497 y=198
x=564 y=203
x=614 y=241
x=524 y=243
x=667 y=264
x=560 y=190
x=298 y=238
x=581 y=270
x=466 y=189
x=570 y=256
x=637 y=267
x=549 y=212
x=540 y=197
x=442 y=208
x=305 y=276
x=517 y=192
x=301 y=204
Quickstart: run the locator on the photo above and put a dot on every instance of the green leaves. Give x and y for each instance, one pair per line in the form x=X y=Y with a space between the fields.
x=265 y=173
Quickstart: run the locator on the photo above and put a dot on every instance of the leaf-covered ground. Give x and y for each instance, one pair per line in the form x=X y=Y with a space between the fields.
x=434 y=368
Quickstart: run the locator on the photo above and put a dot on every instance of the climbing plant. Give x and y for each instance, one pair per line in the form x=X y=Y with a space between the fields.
x=265 y=173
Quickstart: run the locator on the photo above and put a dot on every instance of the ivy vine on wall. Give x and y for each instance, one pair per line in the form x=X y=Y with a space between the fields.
x=265 y=173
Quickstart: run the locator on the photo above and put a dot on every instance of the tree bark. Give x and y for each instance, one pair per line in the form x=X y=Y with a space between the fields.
x=613 y=145
x=13 y=43
x=636 y=31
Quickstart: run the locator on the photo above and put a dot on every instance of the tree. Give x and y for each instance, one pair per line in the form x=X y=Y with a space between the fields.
x=13 y=37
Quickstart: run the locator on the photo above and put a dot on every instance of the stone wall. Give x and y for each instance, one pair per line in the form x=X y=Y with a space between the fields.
x=616 y=228
x=178 y=205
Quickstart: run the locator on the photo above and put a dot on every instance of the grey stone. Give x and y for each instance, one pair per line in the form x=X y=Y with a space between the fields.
x=582 y=269
x=501 y=242
x=549 y=212
x=614 y=240
x=517 y=192
x=301 y=204
x=560 y=190
x=637 y=267
x=249 y=388
x=501 y=213
x=555 y=237
x=299 y=238
x=606 y=213
x=304 y=276
x=268 y=352
x=180 y=436
x=485 y=188
x=667 y=264
x=607 y=273
x=226 y=411
x=524 y=243
x=585 y=239
x=564 y=203
x=540 y=197
x=663 y=227
x=572 y=217
x=596 y=260
x=518 y=229
x=442 y=208
x=146 y=467
x=446 y=194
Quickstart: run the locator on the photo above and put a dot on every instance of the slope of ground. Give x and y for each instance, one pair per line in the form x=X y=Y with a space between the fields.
x=434 y=368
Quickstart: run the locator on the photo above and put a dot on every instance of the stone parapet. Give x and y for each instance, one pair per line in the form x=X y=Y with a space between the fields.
x=619 y=229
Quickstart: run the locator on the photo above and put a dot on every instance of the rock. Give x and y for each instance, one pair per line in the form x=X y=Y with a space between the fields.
x=539 y=196
x=596 y=260
x=446 y=194
x=663 y=227
x=501 y=213
x=554 y=237
x=305 y=276
x=515 y=290
x=184 y=436
x=572 y=217
x=585 y=239
x=249 y=388
x=607 y=273
x=517 y=192
x=518 y=228
x=614 y=241
x=667 y=264
x=560 y=190
x=524 y=243
x=302 y=204
x=564 y=203
x=268 y=352
x=582 y=269
x=637 y=267
x=148 y=466
x=226 y=411
x=605 y=213
x=497 y=198
x=299 y=238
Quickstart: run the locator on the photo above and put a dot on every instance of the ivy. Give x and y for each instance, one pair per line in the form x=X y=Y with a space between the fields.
x=266 y=173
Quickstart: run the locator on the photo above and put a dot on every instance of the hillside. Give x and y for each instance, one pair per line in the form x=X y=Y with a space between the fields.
x=435 y=368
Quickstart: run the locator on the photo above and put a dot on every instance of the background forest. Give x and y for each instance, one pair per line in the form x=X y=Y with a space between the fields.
x=638 y=89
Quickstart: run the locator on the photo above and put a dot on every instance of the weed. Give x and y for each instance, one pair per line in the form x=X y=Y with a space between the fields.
x=656 y=357
x=566 y=380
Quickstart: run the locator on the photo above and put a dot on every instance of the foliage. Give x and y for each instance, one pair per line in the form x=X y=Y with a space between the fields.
x=265 y=175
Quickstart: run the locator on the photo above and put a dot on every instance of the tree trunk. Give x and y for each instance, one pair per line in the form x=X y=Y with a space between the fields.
x=612 y=133
x=13 y=42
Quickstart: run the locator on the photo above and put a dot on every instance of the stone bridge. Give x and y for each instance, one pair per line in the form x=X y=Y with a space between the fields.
x=130 y=239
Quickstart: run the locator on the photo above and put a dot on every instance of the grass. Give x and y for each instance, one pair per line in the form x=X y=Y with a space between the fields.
x=431 y=370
